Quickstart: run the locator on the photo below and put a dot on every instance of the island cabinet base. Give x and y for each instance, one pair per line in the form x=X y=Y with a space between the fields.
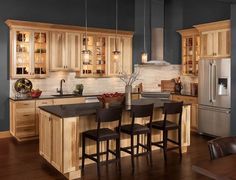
x=61 y=142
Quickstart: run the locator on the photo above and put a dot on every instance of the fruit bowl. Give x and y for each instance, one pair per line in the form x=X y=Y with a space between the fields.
x=35 y=93
x=111 y=98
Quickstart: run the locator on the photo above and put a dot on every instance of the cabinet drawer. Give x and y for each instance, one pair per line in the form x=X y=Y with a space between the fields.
x=185 y=99
x=25 y=132
x=25 y=104
x=45 y=102
x=69 y=101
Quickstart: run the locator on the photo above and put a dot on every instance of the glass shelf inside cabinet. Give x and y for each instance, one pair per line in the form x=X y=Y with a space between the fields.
x=40 y=52
x=22 y=52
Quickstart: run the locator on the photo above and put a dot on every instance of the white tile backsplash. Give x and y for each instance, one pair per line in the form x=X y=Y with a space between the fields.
x=150 y=76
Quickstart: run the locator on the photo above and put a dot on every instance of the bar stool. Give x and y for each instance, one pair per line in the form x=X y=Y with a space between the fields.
x=103 y=134
x=165 y=126
x=134 y=129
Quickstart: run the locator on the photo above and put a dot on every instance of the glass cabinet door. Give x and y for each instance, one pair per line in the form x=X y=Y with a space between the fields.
x=87 y=66
x=40 y=53
x=115 y=65
x=188 y=55
x=100 y=56
x=57 y=51
x=22 y=53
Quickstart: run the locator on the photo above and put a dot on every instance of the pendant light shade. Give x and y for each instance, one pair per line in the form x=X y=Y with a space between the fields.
x=116 y=52
x=86 y=53
x=144 y=55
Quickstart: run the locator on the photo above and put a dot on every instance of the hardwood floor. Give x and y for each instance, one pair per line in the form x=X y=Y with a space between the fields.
x=22 y=162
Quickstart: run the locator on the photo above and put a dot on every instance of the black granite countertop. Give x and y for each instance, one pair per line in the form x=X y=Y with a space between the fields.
x=55 y=97
x=85 y=109
x=184 y=94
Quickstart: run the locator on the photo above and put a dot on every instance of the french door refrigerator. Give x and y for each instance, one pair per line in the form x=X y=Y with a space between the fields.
x=214 y=97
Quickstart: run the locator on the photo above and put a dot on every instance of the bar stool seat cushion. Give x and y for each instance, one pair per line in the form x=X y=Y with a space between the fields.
x=160 y=125
x=104 y=134
x=138 y=128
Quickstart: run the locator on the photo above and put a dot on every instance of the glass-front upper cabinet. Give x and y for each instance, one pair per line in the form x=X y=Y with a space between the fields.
x=190 y=51
x=30 y=54
x=96 y=65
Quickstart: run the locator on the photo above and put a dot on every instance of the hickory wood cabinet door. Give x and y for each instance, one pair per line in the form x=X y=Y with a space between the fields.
x=126 y=54
x=45 y=134
x=73 y=51
x=215 y=39
x=216 y=43
x=57 y=51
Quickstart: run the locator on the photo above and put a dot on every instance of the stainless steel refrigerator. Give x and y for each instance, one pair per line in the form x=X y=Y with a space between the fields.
x=214 y=97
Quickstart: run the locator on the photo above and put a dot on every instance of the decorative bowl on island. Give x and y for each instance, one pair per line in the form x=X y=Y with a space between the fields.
x=35 y=93
x=111 y=98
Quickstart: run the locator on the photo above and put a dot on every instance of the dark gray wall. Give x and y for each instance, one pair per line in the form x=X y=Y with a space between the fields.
x=184 y=14
x=233 y=67
x=154 y=18
x=100 y=14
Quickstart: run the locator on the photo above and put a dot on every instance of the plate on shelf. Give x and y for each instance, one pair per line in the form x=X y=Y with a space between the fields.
x=23 y=86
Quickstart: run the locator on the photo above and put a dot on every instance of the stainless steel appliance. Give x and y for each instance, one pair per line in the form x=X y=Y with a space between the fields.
x=214 y=97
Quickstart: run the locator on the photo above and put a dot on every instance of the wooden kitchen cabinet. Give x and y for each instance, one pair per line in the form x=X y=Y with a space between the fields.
x=43 y=102
x=29 y=53
x=194 y=108
x=215 y=39
x=190 y=51
x=57 y=137
x=24 y=115
x=22 y=119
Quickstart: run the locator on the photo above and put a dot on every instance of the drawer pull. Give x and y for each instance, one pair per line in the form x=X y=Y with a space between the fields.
x=25 y=104
x=26 y=115
x=44 y=103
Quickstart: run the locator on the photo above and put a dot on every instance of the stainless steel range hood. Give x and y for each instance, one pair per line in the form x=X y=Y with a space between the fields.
x=157 y=52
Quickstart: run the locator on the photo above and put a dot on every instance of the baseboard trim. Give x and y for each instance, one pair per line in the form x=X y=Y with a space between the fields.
x=5 y=134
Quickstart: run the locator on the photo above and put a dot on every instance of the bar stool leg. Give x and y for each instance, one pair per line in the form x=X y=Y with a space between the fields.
x=107 y=154
x=83 y=152
x=118 y=153
x=180 y=142
x=165 y=136
x=132 y=152
x=137 y=143
x=98 y=158
x=149 y=143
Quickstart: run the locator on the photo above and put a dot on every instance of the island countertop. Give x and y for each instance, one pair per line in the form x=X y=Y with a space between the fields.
x=84 y=109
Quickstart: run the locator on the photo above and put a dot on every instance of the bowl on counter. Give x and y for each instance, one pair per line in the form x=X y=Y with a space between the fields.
x=108 y=99
x=35 y=93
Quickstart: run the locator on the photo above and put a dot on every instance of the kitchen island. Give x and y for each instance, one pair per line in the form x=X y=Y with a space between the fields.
x=60 y=128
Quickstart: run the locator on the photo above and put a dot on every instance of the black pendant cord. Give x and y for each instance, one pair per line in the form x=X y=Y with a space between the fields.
x=86 y=25
x=144 y=26
x=116 y=26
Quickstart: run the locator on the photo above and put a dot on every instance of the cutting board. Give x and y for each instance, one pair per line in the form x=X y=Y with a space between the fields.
x=167 y=85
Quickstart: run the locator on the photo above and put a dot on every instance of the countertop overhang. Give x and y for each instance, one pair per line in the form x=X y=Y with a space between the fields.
x=86 y=109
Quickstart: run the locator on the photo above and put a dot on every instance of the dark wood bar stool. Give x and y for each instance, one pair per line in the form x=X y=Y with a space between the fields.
x=103 y=134
x=166 y=126
x=134 y=129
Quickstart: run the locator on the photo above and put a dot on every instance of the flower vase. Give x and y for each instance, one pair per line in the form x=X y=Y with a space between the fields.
x=128 y=95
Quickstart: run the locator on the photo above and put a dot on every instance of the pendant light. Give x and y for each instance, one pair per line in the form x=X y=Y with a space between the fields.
x=116 y=52
x=86 y=53
x=144 y=55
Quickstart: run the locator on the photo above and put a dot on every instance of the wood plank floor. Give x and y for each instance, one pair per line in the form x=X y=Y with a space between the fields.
x=22 y=162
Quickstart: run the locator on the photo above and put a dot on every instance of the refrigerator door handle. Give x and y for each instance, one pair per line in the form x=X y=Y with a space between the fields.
x=216 y=110
x=210 y=83
x=213 y=86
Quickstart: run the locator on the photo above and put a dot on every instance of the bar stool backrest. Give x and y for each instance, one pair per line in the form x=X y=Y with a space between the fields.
x=109 y=115
x=141 y=111
x=173 y=108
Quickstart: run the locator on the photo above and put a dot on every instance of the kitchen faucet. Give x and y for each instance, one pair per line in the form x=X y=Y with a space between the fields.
x=61 y=89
